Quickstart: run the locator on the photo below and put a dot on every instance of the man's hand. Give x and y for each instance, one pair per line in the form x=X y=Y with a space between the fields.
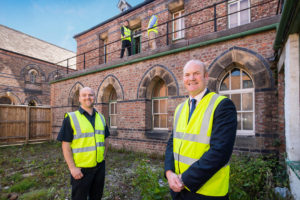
x=76 y=173
x=174 y=182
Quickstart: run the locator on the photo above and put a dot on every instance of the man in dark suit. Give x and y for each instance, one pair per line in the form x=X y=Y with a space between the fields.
x=201 y=144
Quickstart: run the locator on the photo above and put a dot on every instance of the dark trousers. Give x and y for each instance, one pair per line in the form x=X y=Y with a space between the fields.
x=90 y=185
x=186 y=195
x=126 y=44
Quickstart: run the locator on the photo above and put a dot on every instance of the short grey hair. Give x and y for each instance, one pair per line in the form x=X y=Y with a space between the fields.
x=197 y=62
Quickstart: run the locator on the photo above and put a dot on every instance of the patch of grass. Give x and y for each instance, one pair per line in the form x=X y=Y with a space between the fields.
x=45 y=194
x=49 y=172
x=23 y=185
x=16 y=177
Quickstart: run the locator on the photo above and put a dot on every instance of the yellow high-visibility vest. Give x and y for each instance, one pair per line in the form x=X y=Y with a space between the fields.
x=154 y=28
x=192 y=139
x=127 y=34
x=88 y=144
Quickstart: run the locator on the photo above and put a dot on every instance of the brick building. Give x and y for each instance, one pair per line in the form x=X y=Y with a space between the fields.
x=138 y=94
x=27 y=64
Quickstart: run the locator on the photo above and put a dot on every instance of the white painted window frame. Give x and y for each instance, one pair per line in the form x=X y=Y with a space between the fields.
x=159 y=113
x=238 y=12
x=241 y=91
x=112 y=103
x=181 y=26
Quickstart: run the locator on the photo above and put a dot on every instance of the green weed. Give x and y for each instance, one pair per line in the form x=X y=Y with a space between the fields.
x=23 y=185
x=45 y=194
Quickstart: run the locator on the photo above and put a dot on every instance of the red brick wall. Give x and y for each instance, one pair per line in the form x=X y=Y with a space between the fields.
x=134 y=114
x=90 y=40
x=14 y=79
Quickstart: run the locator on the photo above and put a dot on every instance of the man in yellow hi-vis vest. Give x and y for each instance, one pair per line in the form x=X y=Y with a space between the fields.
x=201 y=144
x=84 y=147
x=126 y=38
x=152 y=29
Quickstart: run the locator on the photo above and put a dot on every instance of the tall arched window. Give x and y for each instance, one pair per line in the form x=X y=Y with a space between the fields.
x=32 y=103
x=32 y=75
x=238 y=86
x=159 y=106
x=113 y=108
x=75 y=100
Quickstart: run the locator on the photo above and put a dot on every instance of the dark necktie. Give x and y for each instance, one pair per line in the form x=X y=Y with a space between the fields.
x=193 y=108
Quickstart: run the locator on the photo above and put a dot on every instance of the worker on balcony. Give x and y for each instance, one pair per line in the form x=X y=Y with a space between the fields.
x=126 y=38
x=84 y=145
x=152 y=29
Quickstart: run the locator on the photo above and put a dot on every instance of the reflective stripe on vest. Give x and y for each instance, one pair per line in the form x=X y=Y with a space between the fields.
x=87 y=147
x=190 y=146
x=154 y=28
x=127 y=34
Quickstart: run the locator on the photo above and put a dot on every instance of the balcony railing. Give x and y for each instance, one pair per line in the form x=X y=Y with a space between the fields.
x=212 y=18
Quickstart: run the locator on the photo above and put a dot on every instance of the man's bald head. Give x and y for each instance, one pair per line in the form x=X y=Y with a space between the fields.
x=84 y=89
x=195 y=62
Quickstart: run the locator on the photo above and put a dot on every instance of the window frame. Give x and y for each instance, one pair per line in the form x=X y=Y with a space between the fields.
x=241 y=91
x=238 y=12
x=180 y=30
x=114 y=103
x=159 y=113
x=135 y=34
x=32 y=73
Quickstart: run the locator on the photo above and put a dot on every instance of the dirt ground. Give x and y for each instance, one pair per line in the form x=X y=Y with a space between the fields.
x=39 y=171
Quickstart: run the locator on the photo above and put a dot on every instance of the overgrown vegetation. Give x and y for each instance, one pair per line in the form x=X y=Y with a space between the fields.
x=35 y=172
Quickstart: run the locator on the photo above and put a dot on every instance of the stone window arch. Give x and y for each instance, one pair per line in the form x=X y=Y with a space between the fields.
x=32 y=75
x=32 y=101
x=9 y=98
x=104 y=89
x=6 y=100
x=73 y=99
x=146 y=84
x=238 y=85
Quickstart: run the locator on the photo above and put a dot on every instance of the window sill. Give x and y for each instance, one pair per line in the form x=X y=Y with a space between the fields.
x=113 y=131
x=157 y=134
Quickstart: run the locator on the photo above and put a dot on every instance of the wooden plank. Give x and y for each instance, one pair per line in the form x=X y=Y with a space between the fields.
x=27 y=124
x=12 y=121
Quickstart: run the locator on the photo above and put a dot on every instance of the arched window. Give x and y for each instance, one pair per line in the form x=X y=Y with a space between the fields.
x=160 y=106
x=238 y=86
x=75 y=99
x=113 y=108
x=32 y=75
x=5 y=100
x=32 y=103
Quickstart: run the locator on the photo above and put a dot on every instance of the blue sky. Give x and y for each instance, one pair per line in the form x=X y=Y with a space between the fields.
x=57 y=21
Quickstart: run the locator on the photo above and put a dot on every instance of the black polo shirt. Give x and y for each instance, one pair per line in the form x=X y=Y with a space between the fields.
x=66 y=132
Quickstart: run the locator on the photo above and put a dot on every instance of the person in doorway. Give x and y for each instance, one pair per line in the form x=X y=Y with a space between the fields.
x=152 y=29
x=126 y=38
x=199 y=149
x=83 y=135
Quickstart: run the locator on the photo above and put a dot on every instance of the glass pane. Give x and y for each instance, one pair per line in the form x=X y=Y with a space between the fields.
x=235 y=79
x=112 y=108
x=245 y=18
x=163 y=106
x=247 y=82
x=247 y=121
x=155 y=106
x=233 y=17
x=156 y=121
x=239 y=121
x=247 y=103
x=236 y=98
x=225 y=83
x=163 y=121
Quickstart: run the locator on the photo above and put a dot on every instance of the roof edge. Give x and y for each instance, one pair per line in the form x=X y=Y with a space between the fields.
x=115 y=17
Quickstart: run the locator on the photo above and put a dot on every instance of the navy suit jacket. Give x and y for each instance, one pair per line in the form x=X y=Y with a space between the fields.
x=221 y=146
